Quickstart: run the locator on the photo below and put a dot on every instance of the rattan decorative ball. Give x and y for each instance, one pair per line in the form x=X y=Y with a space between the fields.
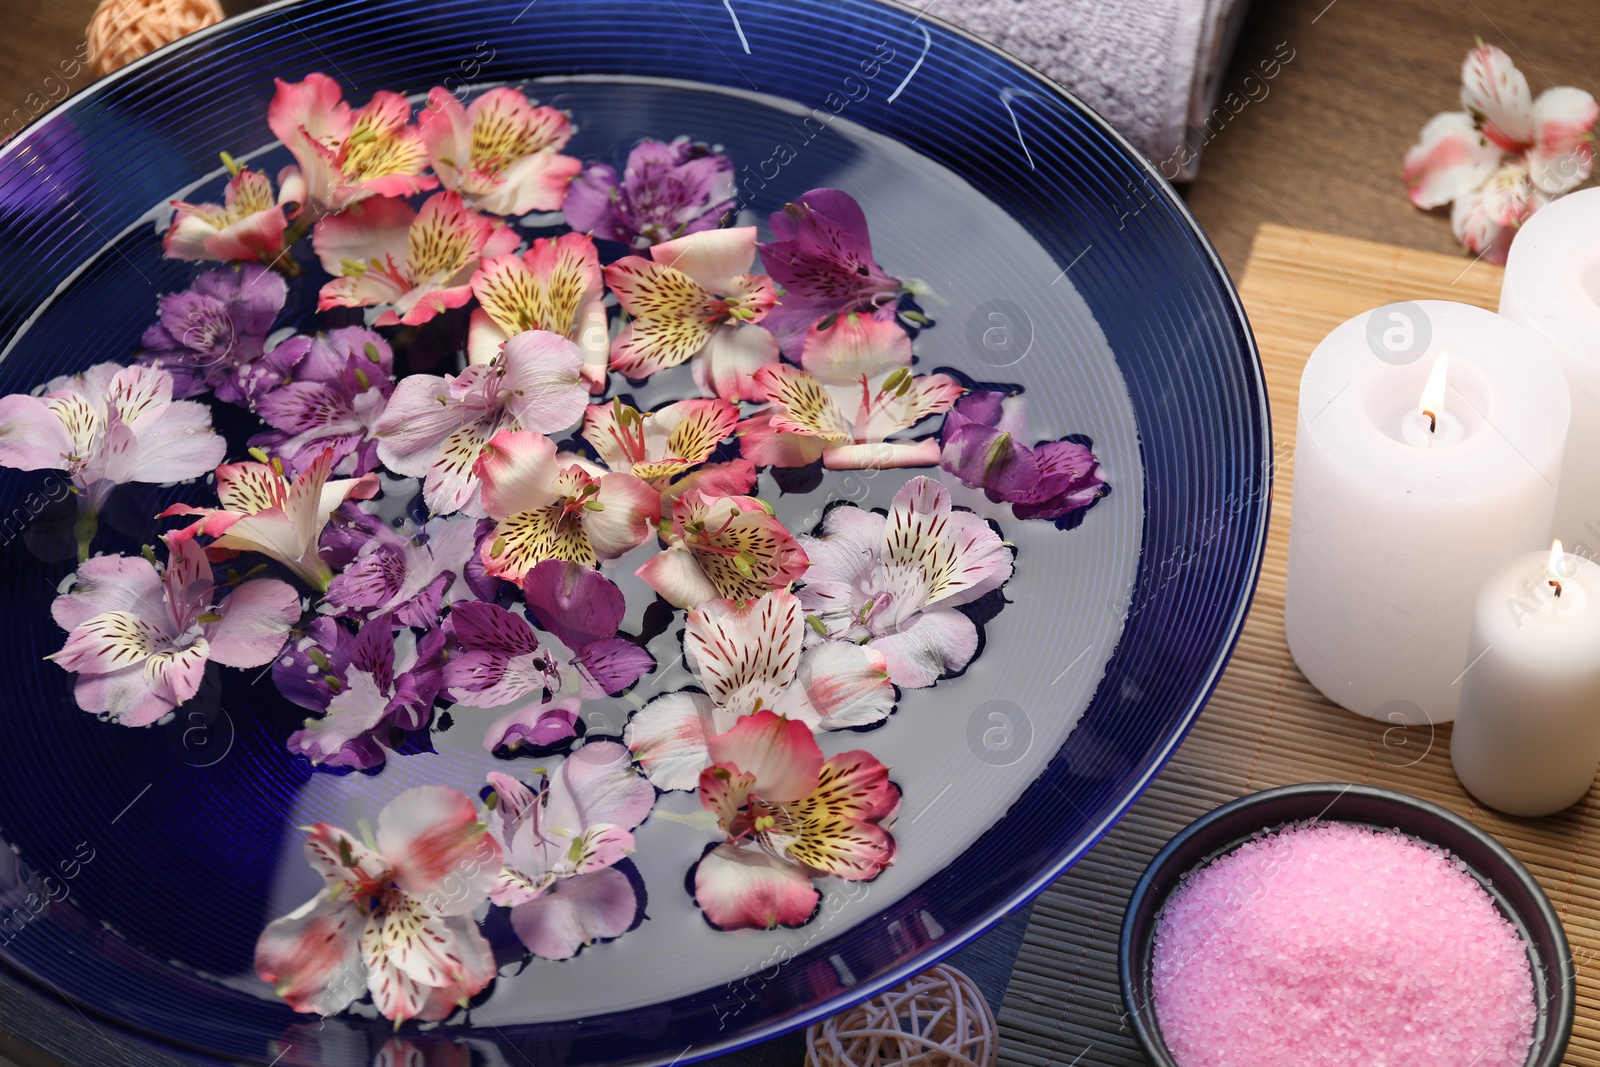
x=937 y=1019
x=123 y=30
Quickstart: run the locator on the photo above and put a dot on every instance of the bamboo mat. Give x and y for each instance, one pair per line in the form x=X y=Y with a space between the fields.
x=1266 y=726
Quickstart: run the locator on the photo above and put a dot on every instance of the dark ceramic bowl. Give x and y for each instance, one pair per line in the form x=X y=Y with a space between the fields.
x=1515 y=891
x=1064 y=264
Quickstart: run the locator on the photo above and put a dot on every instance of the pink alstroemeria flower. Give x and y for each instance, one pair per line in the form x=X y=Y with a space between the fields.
x=105 y=427
x=436 y=428
x=550 y=506
x=556 y=285
x=1504 y=156
x=140 y=636
x=262 y=511
x=722 y=547
x=853 y=389
x=346 y=156
x=501 y=152
x=894 y=583
x=395 y=918
x=562 y=841
x=246 y=227
x=694 y=300
x=788 y=816
x=748 y=657
x=419 y=263
x=669 y=447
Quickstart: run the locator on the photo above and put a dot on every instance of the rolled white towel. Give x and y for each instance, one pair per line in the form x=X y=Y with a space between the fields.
x=1152 y=68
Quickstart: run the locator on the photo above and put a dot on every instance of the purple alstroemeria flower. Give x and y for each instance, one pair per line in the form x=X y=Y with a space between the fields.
x=498 y=659
x=562 y=840
x=821 y=259
x=412 y=576
x=213 y=335
x=667 y=190
x=368 y=686
x=982 y=445
x=337 y=390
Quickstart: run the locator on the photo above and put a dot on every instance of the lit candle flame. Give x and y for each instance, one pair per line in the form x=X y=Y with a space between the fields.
x=1558 y=566
x=1433 y=392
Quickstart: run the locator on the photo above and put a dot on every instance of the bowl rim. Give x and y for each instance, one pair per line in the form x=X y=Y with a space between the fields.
x=1230 y=632
x=1219 y=827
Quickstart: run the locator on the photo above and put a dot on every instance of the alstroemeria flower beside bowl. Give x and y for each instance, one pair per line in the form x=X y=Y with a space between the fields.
x=1504 y=155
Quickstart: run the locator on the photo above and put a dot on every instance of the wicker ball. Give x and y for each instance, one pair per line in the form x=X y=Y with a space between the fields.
x=123 y=30
x=938 y=1019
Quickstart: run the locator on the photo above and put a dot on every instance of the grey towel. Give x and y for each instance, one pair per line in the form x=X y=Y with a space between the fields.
x=1152 y=68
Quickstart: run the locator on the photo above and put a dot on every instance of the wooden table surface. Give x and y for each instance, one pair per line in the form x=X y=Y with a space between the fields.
x=1320 y=151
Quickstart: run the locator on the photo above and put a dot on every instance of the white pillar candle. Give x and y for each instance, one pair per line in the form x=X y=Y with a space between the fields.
x=1527 y=733
x=1399 y=516
x=1552 y=286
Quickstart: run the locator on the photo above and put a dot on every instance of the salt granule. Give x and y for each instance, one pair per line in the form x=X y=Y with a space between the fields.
x=1337 y=944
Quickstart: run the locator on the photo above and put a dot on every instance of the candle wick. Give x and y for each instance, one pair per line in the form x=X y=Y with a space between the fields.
x=1433 y=420
x=1556 y=585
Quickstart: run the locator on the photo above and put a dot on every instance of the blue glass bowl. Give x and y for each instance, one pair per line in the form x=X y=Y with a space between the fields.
x=143 y=859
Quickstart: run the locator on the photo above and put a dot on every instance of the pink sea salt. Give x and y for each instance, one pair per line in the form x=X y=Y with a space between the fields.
x=1336 y=944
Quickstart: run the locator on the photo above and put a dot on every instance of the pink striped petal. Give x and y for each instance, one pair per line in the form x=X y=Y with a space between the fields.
x=431 y=835
x=1450 y=160
x=312 y=957
x=780 y=753
x=1495 y=93
x=745 y=654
